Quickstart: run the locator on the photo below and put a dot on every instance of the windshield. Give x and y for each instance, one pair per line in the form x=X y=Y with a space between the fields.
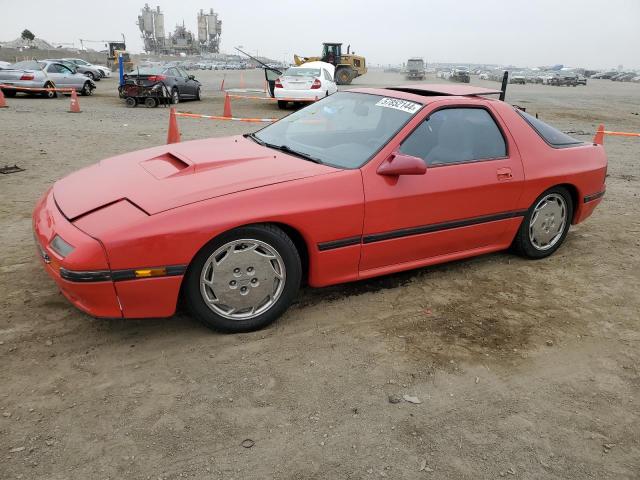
x=302 y=72
x=414 y=63
x=344 y=130
x=147 y=71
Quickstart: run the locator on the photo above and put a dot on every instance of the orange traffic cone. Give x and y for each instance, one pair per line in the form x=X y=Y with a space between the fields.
x=74 y=107
x=241 y=80
x=3 y=102
x=173 y=135
x=598 y=138
x=227 y=107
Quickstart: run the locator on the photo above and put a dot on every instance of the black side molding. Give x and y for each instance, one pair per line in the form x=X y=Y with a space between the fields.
x=593 y=196
x=436 y=227
x=407 y=232
x=117 y=275
x=344 y=242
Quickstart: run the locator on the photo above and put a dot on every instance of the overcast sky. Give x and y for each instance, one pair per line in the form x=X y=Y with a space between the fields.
x=589 y=33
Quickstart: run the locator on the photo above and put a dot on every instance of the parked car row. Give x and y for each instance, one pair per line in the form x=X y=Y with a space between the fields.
x=44 y=74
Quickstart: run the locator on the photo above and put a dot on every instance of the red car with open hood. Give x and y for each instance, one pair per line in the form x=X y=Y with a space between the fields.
x=363 y=183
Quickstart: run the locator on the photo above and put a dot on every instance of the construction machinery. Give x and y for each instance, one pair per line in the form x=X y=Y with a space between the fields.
x=116 y=49
x=348 y=65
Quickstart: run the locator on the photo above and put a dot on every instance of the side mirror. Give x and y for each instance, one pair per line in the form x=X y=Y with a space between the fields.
x=402 y=164
x=192 y=77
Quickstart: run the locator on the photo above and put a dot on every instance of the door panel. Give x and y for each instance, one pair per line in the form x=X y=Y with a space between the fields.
x=452 y=208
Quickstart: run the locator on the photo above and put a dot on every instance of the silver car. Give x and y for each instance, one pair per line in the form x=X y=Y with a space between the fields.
x=94 y=72
x=43 y=74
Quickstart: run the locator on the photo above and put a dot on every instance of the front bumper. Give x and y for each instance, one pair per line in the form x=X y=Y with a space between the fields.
x=85 y=278
x=98 y=299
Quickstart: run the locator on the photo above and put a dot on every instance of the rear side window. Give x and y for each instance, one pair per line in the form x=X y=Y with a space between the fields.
x=552 y=136
x=456 y=135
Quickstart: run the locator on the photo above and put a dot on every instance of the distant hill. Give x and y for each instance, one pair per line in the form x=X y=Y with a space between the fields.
x=22 y=43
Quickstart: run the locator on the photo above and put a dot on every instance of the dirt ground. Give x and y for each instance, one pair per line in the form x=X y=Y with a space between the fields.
x=524 y=369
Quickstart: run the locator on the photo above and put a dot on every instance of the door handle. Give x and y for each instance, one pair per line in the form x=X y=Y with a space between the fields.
x=504 y=173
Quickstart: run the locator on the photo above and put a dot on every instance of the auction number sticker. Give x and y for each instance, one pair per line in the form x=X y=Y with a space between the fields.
x=403 y=105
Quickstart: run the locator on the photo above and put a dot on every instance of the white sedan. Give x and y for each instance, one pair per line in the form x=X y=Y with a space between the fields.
x=307 y=83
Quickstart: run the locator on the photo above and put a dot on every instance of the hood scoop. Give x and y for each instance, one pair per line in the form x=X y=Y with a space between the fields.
x=165 y=165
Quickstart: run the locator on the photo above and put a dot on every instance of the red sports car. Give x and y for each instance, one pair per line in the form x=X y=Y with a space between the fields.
x=362 y=183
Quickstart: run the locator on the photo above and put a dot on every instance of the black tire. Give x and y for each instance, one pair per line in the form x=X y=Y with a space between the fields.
x=90 y=75
x=175 y=96
x=522 y=243
x=49 y=94
x=282 y=104
x=131 y=102
x=9 y=93
x=198 y=94
x=150 y=102
x=277 y=240
x=344 y=75
x=87 y=89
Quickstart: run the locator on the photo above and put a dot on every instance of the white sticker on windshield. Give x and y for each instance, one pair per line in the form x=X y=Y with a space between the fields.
x=404 y=105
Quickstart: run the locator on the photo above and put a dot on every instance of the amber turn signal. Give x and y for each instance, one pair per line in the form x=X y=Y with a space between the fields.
x=150 y=272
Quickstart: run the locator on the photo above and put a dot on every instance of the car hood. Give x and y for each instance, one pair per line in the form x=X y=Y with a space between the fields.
x=161 y=178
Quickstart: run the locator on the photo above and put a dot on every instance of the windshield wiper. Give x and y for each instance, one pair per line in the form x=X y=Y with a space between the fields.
x=286 y=149
x=282 y=148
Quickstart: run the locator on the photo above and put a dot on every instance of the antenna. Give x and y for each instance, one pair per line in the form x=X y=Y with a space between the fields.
x=505 y=81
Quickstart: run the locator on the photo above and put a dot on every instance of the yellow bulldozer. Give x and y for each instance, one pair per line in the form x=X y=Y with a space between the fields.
x=348 y=66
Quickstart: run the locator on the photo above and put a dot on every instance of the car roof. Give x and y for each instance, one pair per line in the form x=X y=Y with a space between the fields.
x=444 y=89
x=425 y=92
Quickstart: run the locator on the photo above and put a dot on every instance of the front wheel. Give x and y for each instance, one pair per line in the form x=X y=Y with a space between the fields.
x=87 y=89
x=546 y=224
x=244 y=279
x=198 y=97
x=175 y=96
x=90 y=75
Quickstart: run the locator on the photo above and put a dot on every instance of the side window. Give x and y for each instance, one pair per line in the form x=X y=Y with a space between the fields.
x=53 y=68
x=327 y=75
x=174 y=72
x=456 y=135
x=183 y=73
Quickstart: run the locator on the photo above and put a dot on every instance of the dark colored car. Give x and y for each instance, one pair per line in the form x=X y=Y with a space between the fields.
x=179 y=83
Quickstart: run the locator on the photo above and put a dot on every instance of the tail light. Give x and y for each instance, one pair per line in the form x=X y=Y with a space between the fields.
x=316 y=84
x=27 y=76
x=278 y=83
x=157 y=78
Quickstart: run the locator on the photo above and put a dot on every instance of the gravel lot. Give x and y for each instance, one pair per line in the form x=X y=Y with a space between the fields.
x=524 y=369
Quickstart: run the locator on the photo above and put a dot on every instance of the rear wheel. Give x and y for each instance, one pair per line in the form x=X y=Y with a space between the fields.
x=9 y=93
x=546 y=224
x=244 y=279
x=49 y=93
x=282 y=104
x=90 y=75
x=131 y=102
x=150 y=102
